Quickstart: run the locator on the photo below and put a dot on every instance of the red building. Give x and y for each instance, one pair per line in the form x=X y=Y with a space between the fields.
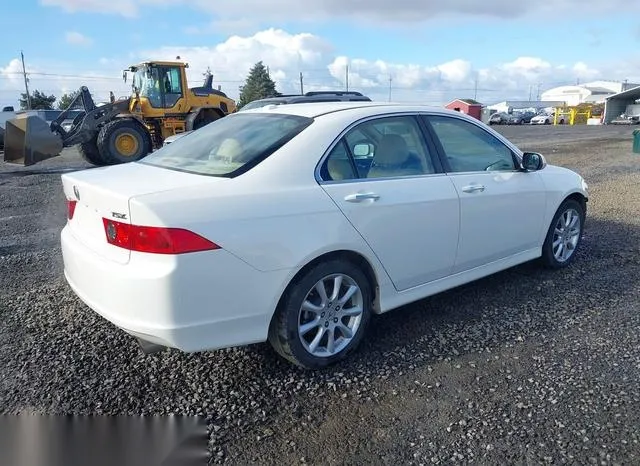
x=469 y=106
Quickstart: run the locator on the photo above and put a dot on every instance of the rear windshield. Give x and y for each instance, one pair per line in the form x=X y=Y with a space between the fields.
x=229 y=146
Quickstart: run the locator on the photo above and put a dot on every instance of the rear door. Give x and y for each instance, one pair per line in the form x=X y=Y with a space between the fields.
x=385 y=179
x=501 y=208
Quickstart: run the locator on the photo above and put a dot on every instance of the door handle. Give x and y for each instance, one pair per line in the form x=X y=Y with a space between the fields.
x=359 y=197
x=473 y=188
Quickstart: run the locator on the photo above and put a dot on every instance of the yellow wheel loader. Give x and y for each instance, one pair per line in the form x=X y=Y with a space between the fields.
x=124 y=130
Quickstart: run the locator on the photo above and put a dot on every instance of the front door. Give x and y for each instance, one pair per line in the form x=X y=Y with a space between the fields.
x=501 y=207
x=383 y=177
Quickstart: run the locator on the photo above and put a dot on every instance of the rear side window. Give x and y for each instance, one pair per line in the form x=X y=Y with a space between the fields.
x=229 y=146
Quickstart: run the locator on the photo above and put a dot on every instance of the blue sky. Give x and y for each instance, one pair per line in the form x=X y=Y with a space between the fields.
x=432 y=50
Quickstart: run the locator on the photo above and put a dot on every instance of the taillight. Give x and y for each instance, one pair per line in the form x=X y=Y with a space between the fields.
x=71 y=208
x=156 y=240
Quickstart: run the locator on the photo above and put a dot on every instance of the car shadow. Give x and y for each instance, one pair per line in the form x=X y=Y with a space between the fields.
x=521 y=302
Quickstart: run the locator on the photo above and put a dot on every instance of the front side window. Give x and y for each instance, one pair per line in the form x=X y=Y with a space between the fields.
x=229 y=146
x=469 y=148
x=386 y=147
x=145 y=81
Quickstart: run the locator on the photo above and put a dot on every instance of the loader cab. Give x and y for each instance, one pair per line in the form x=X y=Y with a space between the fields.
x=161 y=84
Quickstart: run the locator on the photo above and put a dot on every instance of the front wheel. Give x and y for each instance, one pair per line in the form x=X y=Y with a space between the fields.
x=123 y=140
x=323 y=316
x=564 y=235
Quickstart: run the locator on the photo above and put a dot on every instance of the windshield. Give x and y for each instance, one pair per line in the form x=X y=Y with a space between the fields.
x=145 y=80
x=229 y=146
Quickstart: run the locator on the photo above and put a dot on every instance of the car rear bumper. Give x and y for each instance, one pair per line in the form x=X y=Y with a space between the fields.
x=192 y=302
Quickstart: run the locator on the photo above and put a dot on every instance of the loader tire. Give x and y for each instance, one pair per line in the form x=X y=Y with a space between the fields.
x=89 y=152
x=205 y=119
x=123 y=140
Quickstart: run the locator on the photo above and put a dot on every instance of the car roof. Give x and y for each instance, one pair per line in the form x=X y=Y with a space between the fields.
x=316 y=109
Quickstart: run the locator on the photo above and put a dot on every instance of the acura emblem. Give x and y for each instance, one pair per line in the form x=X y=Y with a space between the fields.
x=76 y=191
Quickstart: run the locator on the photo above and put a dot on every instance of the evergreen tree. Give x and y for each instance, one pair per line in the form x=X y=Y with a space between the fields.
x=258 y=85
x=39 y=101
x=66 y=99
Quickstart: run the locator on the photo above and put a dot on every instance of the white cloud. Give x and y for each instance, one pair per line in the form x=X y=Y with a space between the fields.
x=377 y=10
x=126 y=8
x=76 y=38
x=285 y=54
x=288 y=54
x=12 y=73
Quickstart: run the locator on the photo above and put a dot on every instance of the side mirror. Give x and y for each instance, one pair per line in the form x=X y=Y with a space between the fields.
x=361 y=150
x=532 y=161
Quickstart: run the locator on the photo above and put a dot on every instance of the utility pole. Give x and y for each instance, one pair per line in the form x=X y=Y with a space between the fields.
x=301 y=84
x=390 y=79
x=347 y=77
x=475 y=89
x=26 y=82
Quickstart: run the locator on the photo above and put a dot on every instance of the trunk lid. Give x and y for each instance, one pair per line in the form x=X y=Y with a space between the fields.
x=106 y=192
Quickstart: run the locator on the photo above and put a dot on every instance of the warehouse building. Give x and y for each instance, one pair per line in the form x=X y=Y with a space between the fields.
x=595 y=92
x=622 y=102
x=470 y=107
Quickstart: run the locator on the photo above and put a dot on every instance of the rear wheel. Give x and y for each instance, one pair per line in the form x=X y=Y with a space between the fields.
x=204 y=119
x=323 y=316
x=123 y=140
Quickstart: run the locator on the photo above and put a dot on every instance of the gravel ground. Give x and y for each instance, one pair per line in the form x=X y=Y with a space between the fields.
x=527 y=366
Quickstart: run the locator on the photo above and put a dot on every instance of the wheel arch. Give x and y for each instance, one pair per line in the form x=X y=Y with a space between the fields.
x=578 y=197
x=195 y=113
x=353 y=257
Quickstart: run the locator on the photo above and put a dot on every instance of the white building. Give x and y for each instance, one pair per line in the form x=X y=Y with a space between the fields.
x=592 y=92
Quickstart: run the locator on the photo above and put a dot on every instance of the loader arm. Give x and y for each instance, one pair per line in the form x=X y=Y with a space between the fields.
x=30 y=140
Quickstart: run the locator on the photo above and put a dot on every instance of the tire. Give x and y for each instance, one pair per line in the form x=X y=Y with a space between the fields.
x=132 y=135
x=89 y=152
x=551 y=260
x=205 y=120
x=284 y=331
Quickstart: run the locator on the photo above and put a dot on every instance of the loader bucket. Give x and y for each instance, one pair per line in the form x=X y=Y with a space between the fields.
x=28 y=139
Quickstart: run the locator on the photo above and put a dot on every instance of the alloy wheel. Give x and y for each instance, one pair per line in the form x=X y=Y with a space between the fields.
x=566 y=235
x=330 y=315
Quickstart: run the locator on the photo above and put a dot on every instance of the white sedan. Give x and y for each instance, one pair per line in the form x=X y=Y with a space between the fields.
x=296 y=224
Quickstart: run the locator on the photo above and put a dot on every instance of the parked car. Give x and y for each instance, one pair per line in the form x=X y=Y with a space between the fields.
x=313 y=96
x=297 y=224
x=499 y=118
x=625 y=119
x=520 y=118
x=546 y=119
